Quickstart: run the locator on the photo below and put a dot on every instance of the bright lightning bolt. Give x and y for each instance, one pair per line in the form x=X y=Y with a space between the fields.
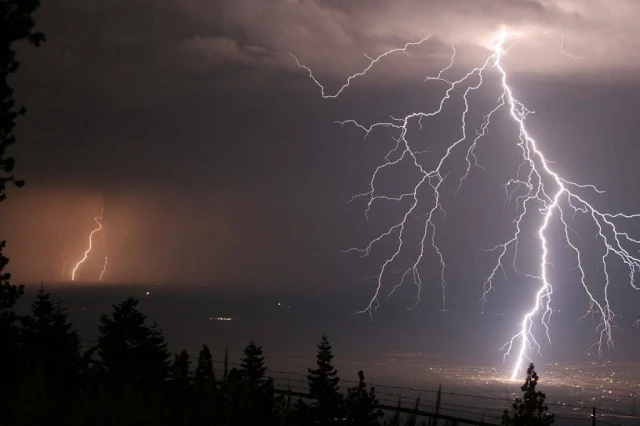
x=535 y=187
x=372 y=62
x=98 y=221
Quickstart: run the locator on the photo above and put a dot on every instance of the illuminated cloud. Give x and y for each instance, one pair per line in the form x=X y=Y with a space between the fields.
x=332 y=35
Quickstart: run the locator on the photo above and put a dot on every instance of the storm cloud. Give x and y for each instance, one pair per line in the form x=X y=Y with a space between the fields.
x=213 y=154
x=332 y=35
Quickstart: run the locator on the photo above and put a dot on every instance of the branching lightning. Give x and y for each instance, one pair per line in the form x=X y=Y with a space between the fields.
x=536 y=187
x=99 y=228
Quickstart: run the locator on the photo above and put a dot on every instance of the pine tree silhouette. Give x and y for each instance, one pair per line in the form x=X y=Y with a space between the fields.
x=51 y=340
x=361 y=404
x=531 y=409
x=180 y=368
x=207 y=399
x=156 y=350
x=50 y=359
x=258 y=395
x=252 y=367
x=179 y=388
x=326 y=406
x=9 y=332
x=204 y=369
x=16 y=25
x=130 y=351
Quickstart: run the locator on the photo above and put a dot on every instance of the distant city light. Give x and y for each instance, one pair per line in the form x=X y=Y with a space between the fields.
x=220 y=319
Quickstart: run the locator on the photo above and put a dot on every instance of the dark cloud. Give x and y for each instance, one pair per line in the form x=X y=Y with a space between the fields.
x=210 y=53
x=217 y=161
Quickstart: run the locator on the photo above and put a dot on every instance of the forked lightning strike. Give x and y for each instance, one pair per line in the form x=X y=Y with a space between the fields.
x=535 y=186
x=372 y=62
x=100 y=228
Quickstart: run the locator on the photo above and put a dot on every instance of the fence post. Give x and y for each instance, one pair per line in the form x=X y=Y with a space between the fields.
x=593 y=416
x=435 y=420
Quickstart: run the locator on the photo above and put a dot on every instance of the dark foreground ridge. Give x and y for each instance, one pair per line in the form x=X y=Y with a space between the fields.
x=129 y=377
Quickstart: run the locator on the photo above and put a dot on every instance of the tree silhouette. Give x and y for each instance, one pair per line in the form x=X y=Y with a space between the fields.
x=179 y=389
x=204 y=369
x=51 y=338
x=51 y=354
x=252 y=367
x=16 y=24
x=258 y=398
x=132 y=352
x=361 y=404
x=531 y=409
x=207 y=400
x=156 y=348
x=232 y=397
x=180 y=368
x=133 y=382
x=9 y=295
x=323 y=387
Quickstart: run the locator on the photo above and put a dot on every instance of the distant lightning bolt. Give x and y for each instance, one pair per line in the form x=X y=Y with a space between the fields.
x=98 y=220
x=106 y=259
x=64 y=263
x=535 y=187
x=562 y=48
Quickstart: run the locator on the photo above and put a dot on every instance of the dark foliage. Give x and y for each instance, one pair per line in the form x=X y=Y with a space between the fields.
x=204 y=374
x=47 y=363
x=257 y=397
x=531 y=409
x=133 y=356
x=253 y=369
x=16 y=25
x=327 y=401
x=51 y=344
x=180 y=371
x=207 y=401
x=361 y=404
x=129 y=378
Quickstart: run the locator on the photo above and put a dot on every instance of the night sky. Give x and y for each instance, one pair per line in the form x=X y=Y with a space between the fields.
x=217 y=161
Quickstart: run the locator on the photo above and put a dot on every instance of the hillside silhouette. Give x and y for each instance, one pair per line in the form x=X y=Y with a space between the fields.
x=129 y=377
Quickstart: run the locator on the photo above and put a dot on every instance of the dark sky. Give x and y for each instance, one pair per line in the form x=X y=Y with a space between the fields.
x=217 y=161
